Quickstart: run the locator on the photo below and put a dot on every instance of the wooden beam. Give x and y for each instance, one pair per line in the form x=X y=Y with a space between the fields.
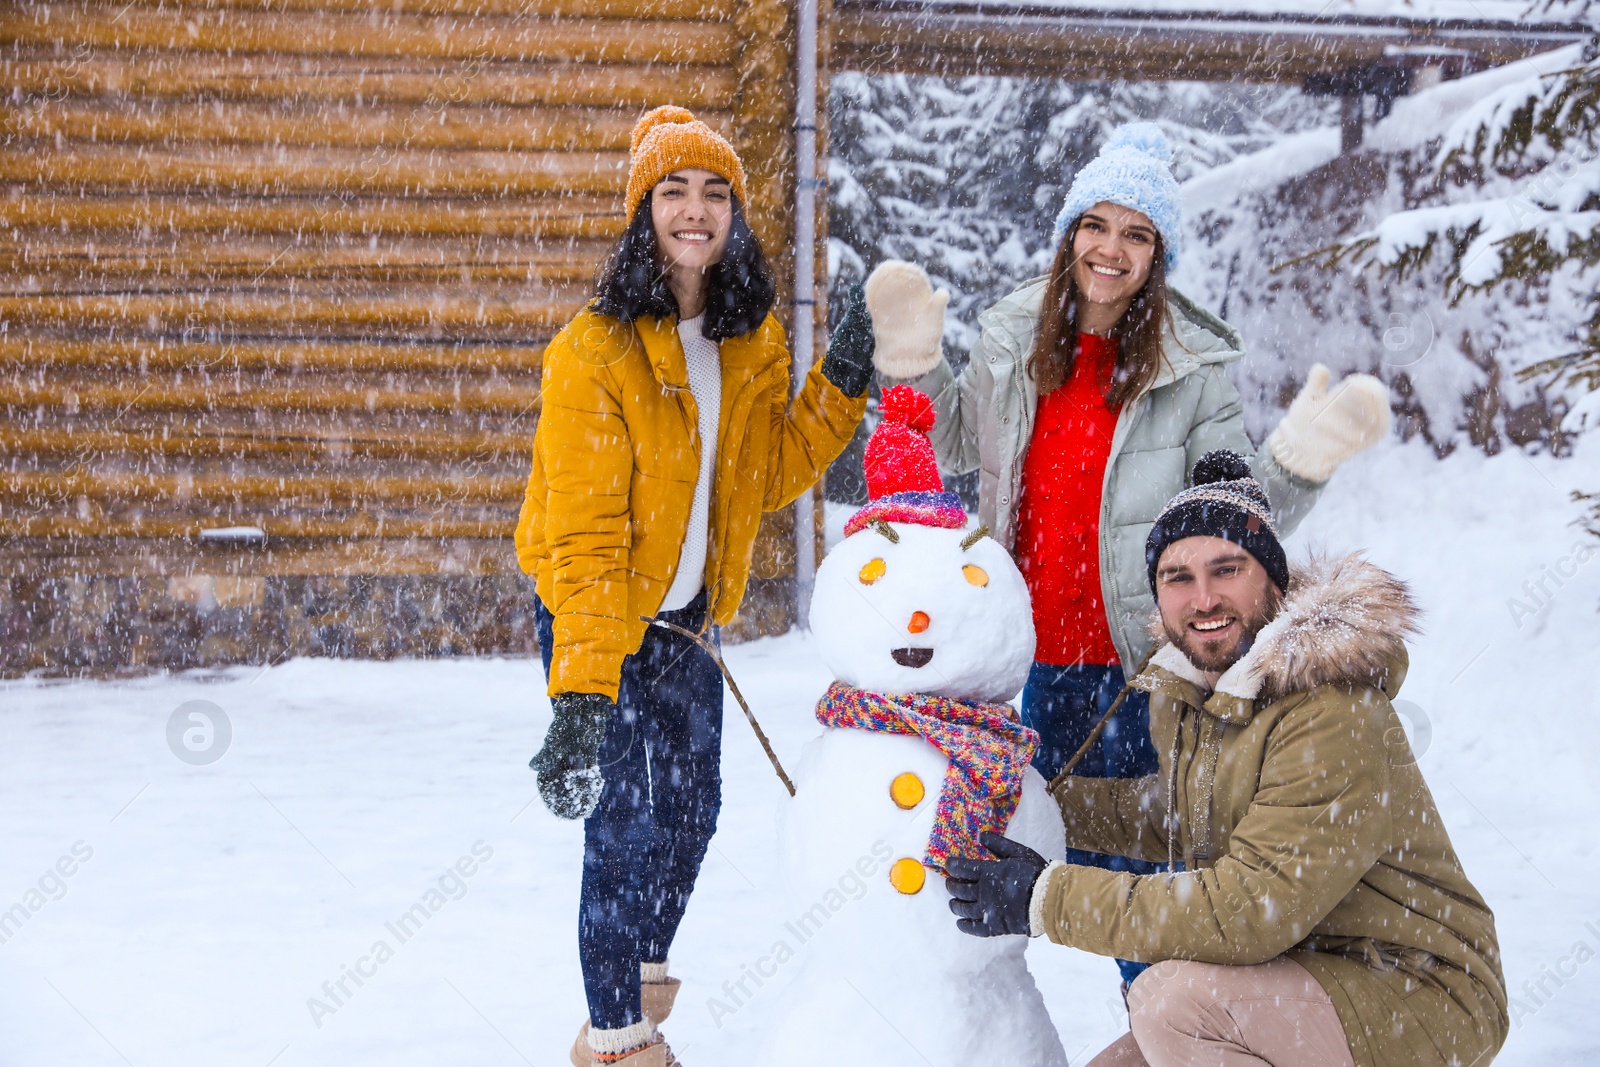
x=308 y=525
x=690 y=10
x=316 y=215
x=281 y=354
x=763 y=119
x=42 y=74
x=310 y=449
x=266 y=171
x=1088 y=44
x=370 y=492
x=182 y=122
x=189 y=394
x=475 y=40
x=47 y=261
x=504 y=315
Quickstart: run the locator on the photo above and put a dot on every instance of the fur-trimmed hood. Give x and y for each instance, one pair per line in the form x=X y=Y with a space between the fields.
x=1342 y=622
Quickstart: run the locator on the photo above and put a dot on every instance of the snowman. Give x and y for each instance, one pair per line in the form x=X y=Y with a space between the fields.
x=927 y=628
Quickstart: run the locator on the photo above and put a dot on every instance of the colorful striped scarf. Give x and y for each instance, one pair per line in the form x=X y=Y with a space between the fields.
x=987 y=748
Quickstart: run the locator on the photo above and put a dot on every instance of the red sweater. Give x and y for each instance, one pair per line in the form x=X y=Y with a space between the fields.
x=1058 y=518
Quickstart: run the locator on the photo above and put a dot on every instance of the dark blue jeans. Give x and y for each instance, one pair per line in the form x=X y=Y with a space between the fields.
x=642 y=846
x=1063 y=704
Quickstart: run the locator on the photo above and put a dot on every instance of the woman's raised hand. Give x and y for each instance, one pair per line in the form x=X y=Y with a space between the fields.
x=848 y=363
x=907 y=319
x=1324 y=427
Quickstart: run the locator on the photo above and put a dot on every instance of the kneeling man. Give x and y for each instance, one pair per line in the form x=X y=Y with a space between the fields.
x=1319 y=914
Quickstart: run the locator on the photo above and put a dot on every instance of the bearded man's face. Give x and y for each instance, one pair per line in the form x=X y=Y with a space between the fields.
x=1214 y=598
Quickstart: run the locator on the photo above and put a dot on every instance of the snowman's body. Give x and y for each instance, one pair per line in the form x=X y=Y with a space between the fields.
x=884 y=975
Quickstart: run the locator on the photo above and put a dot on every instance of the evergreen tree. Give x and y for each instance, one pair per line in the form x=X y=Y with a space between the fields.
x=1528 y=154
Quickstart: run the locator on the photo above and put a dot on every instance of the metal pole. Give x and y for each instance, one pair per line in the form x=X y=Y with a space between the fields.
x=805 y=302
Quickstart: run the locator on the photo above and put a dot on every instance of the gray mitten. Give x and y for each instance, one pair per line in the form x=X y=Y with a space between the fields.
x=569 y=763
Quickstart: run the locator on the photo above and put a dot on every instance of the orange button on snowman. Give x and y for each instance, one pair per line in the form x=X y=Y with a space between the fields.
x=906 y=874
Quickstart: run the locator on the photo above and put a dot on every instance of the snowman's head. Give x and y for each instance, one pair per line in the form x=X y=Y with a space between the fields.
x=911 y=602
x=908 y=608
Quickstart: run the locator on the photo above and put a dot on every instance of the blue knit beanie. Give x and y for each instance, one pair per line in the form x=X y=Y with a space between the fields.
x=1133 y=170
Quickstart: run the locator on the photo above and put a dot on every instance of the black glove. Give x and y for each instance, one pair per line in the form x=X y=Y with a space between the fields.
x=990 y=897
x=569 y=762
x=848 y=363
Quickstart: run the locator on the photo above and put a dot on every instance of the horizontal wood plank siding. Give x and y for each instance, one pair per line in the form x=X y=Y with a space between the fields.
x=292 y=263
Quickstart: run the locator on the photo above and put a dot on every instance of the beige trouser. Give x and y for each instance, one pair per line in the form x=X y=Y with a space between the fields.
x=1185 y=1014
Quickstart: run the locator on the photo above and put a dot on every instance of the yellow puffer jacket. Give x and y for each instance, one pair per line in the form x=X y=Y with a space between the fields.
x=615 y=460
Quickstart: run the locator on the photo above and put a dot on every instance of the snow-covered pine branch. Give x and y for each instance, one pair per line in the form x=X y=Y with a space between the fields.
x=1528 y=155
x=1536 y=140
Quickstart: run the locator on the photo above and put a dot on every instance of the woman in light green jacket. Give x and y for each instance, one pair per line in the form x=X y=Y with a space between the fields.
x=1085 y=403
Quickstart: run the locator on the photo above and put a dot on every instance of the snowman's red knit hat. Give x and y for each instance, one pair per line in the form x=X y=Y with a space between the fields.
x=903 y=480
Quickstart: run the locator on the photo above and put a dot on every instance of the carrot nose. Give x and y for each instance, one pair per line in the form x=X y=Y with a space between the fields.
x=919 y=622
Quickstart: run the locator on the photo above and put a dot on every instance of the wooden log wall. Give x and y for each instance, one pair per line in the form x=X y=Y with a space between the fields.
x=290 y=264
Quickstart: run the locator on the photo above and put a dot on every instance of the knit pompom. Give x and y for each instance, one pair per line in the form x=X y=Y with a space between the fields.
x=1221 y=465
x=666 y=113
x=1146 y=137
x=899 y=456
x=907 y=406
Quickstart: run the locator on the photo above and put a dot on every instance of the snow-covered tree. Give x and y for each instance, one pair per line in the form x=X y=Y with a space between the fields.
x=1528 y=154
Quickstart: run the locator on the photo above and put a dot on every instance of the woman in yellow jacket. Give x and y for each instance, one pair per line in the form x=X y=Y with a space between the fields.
x=665 y=430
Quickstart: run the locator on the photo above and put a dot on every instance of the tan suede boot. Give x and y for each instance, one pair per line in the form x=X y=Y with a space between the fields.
x=657 y=999
x=656 y=1055
x=582 y=1054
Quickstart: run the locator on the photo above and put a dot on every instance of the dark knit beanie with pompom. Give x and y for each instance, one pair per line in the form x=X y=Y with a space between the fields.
x=1223 y=500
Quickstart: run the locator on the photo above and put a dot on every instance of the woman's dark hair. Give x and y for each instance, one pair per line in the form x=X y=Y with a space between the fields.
x=1139 y=355
x=740 y=291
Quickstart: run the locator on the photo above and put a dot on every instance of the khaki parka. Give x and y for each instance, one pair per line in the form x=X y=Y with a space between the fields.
x=1304 y=828
x=615 y=459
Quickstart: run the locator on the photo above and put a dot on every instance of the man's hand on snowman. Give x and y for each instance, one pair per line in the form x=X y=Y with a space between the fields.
x=848 y=363
x=907 y=317
x=990 y=897
x=569 y=763
x=1324 y=428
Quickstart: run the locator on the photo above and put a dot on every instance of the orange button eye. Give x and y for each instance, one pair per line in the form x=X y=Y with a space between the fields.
x=906 y=790
x=919 y=622
x=975 y=574
x=907 y=875
x=872 y=570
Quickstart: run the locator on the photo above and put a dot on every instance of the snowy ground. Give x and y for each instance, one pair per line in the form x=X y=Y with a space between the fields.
x=217 y=900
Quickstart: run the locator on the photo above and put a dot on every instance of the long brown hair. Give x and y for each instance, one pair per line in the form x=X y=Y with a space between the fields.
x=1139 y=355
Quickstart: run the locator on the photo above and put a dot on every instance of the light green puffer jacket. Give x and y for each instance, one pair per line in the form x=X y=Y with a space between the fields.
x=986 y=418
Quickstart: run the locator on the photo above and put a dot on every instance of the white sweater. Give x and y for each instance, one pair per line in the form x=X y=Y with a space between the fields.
x=705 y=382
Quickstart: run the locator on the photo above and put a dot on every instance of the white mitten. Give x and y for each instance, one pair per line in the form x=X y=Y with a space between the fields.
x=907 y=319
x=1323 y=429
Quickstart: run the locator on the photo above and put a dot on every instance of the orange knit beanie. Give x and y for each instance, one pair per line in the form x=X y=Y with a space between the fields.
x=671 y=138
